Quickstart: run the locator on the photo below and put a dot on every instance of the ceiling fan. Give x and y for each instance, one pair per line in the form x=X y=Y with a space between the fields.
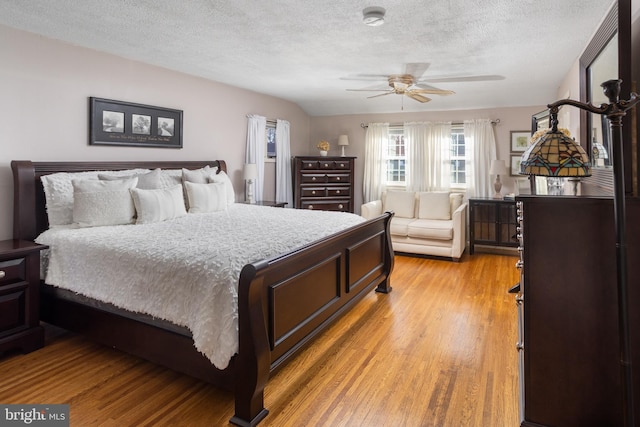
x=411 y=85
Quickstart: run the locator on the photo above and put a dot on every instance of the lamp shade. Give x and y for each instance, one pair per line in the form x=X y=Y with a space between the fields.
x=250 y=171
x=555 y=154
x=498 y=167
x=343 y=140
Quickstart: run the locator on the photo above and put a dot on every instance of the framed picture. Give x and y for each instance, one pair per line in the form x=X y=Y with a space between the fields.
x=520 y=140
x=515 y=165
x=124 y=123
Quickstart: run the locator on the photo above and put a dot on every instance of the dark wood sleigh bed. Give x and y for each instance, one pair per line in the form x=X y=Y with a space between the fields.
x=338 y=271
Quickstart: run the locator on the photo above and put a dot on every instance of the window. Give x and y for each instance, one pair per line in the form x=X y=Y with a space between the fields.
x=458 y=160
x=271 y=139
x=395 y=157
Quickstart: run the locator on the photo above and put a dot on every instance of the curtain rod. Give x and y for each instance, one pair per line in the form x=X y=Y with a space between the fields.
x=493 y=122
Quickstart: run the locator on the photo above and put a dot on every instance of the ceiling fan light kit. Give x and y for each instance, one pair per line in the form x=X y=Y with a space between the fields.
x=373 y=16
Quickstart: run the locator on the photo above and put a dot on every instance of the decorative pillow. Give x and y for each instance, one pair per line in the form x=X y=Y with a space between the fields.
x=158 y=205
x=222 y=177
x=401 y=203
x=206 y=197
x=97 y=203
x=199 y=176
x=434 y=205
x=170 y=177
x=58 y=192
x=146 y=181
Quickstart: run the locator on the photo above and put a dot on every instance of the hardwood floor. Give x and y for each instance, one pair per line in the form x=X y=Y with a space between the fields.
x=437 y=351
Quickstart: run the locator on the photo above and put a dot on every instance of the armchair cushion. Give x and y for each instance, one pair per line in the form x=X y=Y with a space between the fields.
x=434 y=205
x=401 y=203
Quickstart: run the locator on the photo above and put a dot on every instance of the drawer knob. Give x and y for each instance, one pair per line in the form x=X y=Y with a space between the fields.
x=313 y=179
x=2 y=274
x=326 y=165
x=337 y=178
x=313 y=192
x=310 y=164
x=341 y=206
x=342 y=166
x=310 y=207
x=337 y=191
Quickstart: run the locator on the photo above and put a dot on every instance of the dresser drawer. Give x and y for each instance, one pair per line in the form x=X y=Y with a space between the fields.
x=338 y=191
x=12 y=271
x=313 y=192
x=338 y=178
x=314 y=178
x=309 y=164
x=334 y=164
x=329 y=205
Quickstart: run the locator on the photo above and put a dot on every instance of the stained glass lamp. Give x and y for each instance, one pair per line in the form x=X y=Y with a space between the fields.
x=555 y=154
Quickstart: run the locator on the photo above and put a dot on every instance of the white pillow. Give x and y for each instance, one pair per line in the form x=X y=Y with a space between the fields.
x=206 y=197
x=434 y=205
x=158 y=205
x=146 y=181
x=97 y=203
x=401 y=203
x=222 y=177
x=199 y=176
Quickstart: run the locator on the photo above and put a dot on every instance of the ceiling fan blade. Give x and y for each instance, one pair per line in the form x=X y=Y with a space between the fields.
x=367 y=77
x=368 y=90
x=417 y=97
x=485 y=78
x=382 y=94
x=433 y=91
x=417 y=69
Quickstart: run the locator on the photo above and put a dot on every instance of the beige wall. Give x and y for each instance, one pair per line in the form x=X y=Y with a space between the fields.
x=44 y=91
x=329 y=128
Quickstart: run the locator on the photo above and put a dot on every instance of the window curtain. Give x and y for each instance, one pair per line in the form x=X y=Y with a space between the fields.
x=480 y=144
x=256 y=149
x=284 y=187
x=375 y=167
x=428 y=155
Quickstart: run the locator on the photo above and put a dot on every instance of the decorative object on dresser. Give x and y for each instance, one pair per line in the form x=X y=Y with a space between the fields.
x=272 y=323
x=492 y=222
x=325 y=183
x=343 y=141
x=128 y=124
x=323 y=146
x=498 y=168
x=554 y=154
x=19 y=296
x=250 y=175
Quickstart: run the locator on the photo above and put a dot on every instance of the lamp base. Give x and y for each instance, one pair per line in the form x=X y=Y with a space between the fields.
x=342 y=155
x=497 y=186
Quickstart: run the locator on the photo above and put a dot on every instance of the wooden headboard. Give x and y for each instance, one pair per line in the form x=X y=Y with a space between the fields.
x=29 y=207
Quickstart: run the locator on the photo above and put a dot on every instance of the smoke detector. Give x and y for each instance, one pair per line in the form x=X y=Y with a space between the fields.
x=373 y=16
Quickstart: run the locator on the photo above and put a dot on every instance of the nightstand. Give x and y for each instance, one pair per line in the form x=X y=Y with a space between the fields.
x=19 y=296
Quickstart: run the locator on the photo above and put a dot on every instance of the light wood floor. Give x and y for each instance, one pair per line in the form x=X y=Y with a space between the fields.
x=437 y=351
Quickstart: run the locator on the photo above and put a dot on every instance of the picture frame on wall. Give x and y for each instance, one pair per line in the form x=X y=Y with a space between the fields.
x=515 y=165
x=520 y=140
x=127 y=124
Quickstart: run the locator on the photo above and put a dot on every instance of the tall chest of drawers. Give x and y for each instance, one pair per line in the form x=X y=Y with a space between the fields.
x=324 y=183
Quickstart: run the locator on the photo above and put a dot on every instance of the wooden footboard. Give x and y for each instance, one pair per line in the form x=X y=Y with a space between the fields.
x=283 y=302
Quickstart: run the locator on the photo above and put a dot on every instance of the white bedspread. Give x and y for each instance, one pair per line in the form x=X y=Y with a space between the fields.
x=184 y=270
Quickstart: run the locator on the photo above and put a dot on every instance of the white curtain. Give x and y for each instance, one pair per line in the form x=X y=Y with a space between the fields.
x=256 y=149
x=375 y=167
x=284 y=188
x=428 y=155
x=480 y=144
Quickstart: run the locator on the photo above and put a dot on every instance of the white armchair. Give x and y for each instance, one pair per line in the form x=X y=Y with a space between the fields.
x=425 y=223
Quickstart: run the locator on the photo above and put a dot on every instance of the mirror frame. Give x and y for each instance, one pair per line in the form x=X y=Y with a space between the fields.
x=617 y=20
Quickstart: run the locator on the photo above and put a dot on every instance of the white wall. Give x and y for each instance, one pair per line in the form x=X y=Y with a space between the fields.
x=44 y=91
x=329 y=128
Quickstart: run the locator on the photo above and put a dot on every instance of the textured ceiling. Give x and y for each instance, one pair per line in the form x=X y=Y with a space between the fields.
x=310 y=52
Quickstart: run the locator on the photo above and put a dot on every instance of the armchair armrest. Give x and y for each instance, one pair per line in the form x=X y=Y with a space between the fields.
x=459 y=218
x=371 y=210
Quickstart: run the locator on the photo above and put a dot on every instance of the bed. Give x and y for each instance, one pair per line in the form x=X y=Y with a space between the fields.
x=277 y=315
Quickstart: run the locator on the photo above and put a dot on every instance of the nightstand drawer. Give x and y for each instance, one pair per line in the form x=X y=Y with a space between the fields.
x=12 y=271
x=12 y=312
